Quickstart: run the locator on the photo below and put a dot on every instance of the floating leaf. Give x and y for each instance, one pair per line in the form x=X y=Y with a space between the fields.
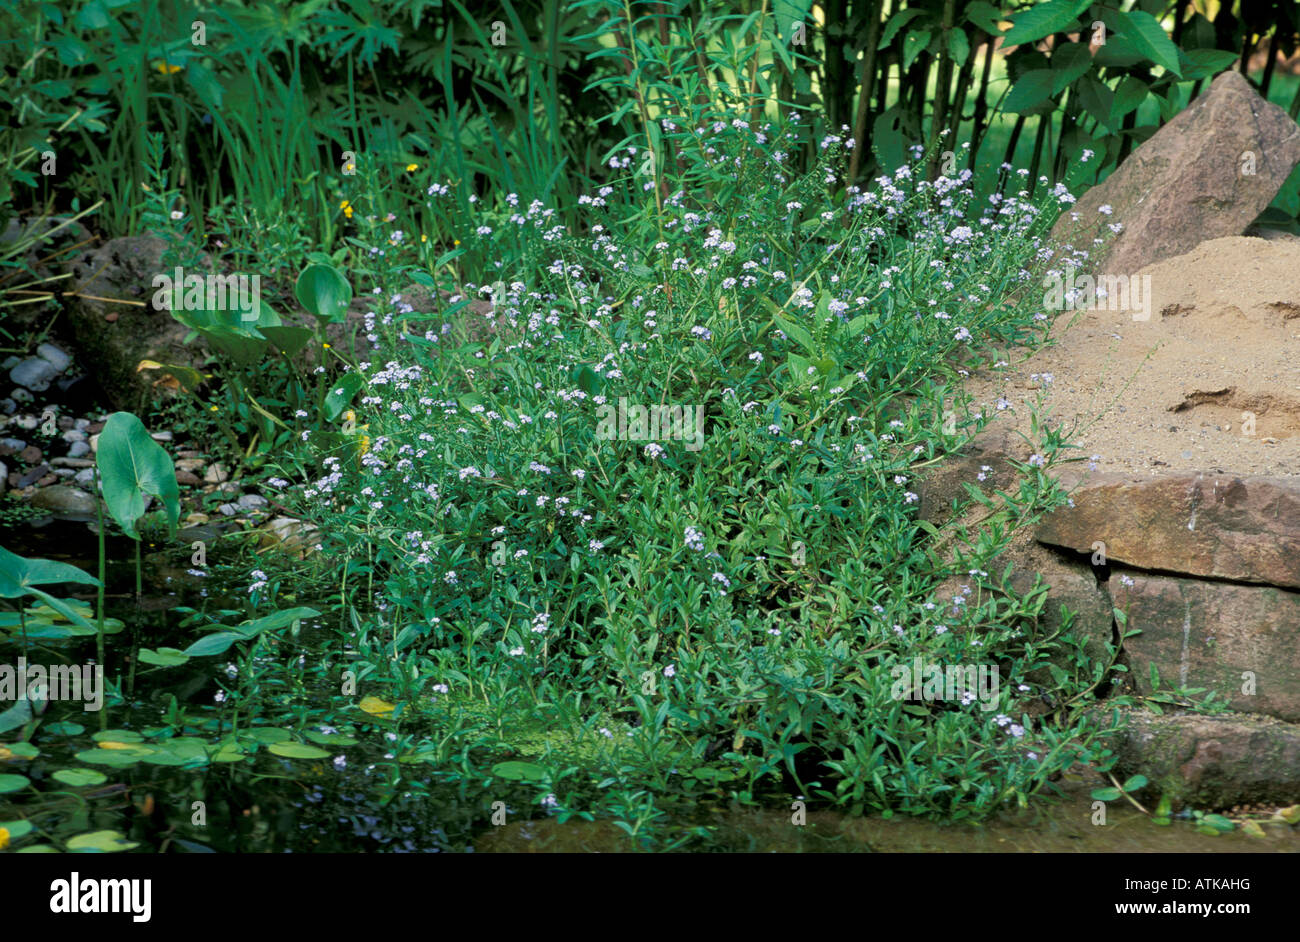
x=332 y=739
x=297 y=750
x=376 y=707
x=79 y=778
x=1105 y=794
x=118 y=735
x=101 y=842
x=270 y=734
x=15 y=829
x=63 y=728
x=12 y=783
x=163 y=657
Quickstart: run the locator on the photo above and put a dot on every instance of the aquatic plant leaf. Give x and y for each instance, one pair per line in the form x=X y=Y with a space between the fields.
x=297 y=750
x=519 y=771
x=100 y=842
x=376 y=707
x=131 y=465
x=18 y=574
x=12 y=783
x=163 y=657
x=79 y=778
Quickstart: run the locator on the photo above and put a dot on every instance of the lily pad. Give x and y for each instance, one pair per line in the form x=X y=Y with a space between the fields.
x=12 y=783
x=270 y=734
x=100 y=842
x=332 y=739
x=297 y=750
x=79 y=778
x=118 y=759
x=16 y=829
x=118 y=735
x=19 y=750
x=63 y=728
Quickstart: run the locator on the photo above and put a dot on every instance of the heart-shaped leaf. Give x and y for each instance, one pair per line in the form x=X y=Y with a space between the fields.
x=324 y=292
x=131 y=465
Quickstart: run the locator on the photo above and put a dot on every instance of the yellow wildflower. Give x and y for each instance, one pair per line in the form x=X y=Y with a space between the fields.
x=347 y=208
x=4 y=838
x=166 y=68
x=411 y=168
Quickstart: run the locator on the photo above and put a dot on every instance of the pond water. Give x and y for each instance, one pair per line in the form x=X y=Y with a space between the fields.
x=274 y=805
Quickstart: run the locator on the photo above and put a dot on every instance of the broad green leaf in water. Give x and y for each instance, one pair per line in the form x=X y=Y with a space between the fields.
x=324 y=292
x=131 y=465
x=297 y=750
x=270 y=734
x=17 y=715
x=101 y=842
x=18 y=574
x=163 y=657
x=12 y=783
x=16 y=829
x=80 y=778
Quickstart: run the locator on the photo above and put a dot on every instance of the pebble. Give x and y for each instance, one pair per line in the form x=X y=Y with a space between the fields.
x=27 y=422
x=22 y=396
x=11 y=446
x=252 y=501
x=65 y=472
x=161 y=436
x=64 y=499
x=75 y=435
x=188 y=478
x=30 y=455
x=72 y=463
x=47 y=480
x=9 y=406
x=85 y=476
x=228 y=510
x=34 y=373
x=54 y=356
x=78 y=449
x=82 y=424
x=189 y=464
x=10 y=363
x=4 y=476
x=32 y=476
x=189 y=454
x=216 y=474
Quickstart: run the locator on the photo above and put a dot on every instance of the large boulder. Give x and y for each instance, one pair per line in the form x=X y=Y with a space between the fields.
x=1212 y=762
x=114 y=321
x=1208 y=173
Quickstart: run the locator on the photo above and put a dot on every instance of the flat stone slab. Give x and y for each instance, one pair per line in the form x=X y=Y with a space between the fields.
x=1241 y=528
x=1242 y=642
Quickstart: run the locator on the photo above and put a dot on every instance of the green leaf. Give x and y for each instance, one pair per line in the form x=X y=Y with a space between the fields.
x=324 y=292
x=79 y=778
x=958 y=46
x=297 y=750
x=519 y=771
x=1135 y=783
x=1150 y=39
x=287 y=339
x=1220 y=823
x=163 y=657
x=1196 y=64
x=1043 y=20
x=12 y=783
x=1033 y=90
x=1069 y=61
x=985 y=16
x=17 y=574
x=1105 y=794
x=914 y=44
x=897 y=22
x=102 y=842
x=131 y=465
x=1129 y=93
x=213 y=644
x=339 y=397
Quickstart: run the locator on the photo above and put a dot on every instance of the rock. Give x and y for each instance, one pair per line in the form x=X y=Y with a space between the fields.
x=30 y=455
x=48 y=479
x=81 y=424
x=161 y=436
x=111 y=348
x=54 y=356
x=27 y=423
x=1242 y=528
x=77 y=449
x=8 y=406
x=251 y=502
x=74 y=435
x=189 y=464
x=10 y=362
x=11 y=446
x=187 y=478
x=63 y=499
x=72 y=463
x=21 y=396
x=292 y=535
x=66 y=423
x=34 y=373
x=31 y=477
x=1236 y=640
x=228 y=510
x=4 y=477
x=1187 y=183
x=85 y=476
x=65 y=472
x=1211 y=762
x=94 y=443
x=216 y=474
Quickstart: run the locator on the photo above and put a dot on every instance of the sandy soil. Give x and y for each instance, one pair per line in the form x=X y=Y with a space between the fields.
x=1178 y=391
